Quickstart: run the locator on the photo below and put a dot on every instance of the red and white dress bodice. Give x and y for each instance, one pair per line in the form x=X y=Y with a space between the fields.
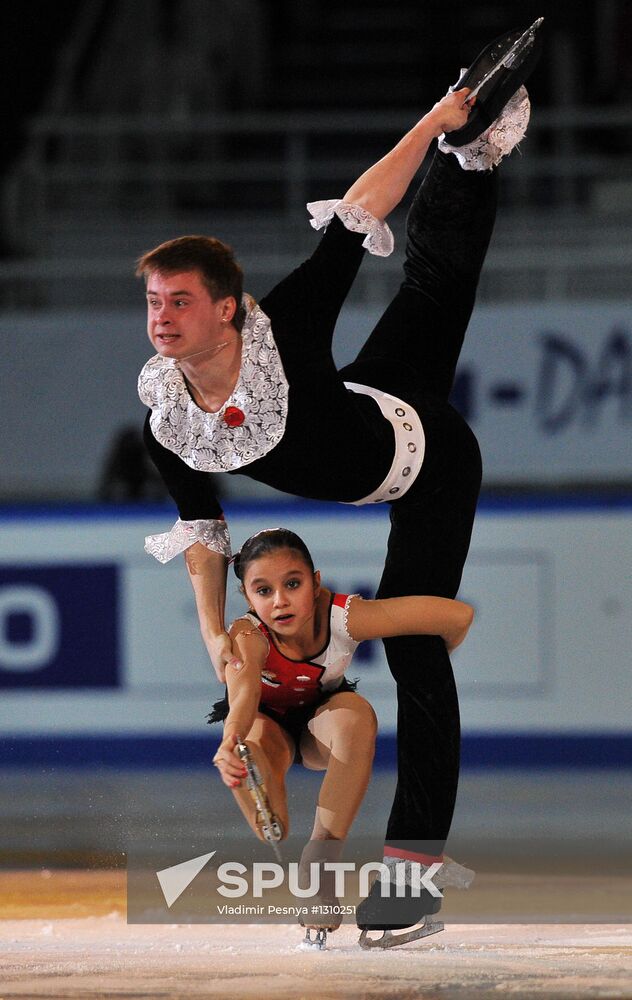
x=288 y=683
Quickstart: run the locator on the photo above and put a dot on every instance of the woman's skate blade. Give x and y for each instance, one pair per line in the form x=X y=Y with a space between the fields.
x=390 y=939
x=317 y=943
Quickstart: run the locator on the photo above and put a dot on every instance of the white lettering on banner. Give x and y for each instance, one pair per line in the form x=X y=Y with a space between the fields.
x=38 y=651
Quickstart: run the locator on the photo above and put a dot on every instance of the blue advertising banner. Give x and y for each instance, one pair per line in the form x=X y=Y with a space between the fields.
x=59 y=626
x=101 y=656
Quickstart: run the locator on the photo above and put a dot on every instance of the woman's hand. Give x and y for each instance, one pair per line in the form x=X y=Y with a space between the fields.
x=451 y=112
x=220 y=650
x=227 y=762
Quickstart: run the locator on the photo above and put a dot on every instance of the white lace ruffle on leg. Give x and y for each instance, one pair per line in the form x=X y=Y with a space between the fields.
x=379 y=238
x=498 y=140
x=211 y=533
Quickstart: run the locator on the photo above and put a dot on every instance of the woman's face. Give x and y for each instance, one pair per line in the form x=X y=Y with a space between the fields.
x=281 y=588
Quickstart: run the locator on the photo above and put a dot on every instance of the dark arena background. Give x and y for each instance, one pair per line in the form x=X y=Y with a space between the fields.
x=126 y=124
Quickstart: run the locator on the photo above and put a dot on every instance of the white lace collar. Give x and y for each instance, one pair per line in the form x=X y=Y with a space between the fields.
x=204 y=440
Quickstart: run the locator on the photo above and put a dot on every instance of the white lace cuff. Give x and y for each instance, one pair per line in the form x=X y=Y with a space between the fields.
x=498 y=140
x=379 y=238
x=211 y=533
x=345 y=618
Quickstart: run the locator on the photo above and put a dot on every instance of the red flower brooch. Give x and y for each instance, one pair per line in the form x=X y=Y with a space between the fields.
x=233 y=416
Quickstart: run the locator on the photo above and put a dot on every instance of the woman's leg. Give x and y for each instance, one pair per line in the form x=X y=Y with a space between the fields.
x=340 y=740
x=273 y=752
x=448 y=230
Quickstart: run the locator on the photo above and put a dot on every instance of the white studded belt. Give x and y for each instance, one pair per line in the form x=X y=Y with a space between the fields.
x=410 y=445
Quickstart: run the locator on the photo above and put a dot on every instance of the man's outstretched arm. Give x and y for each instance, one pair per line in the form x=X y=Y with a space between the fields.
x=207 y=572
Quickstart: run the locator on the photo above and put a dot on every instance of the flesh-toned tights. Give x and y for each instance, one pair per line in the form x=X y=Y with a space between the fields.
x=339 y=739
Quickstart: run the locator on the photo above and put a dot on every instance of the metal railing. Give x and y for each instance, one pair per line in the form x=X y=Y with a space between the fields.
x=80 y=172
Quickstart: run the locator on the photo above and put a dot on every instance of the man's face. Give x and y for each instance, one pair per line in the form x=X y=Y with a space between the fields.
x=182 y=319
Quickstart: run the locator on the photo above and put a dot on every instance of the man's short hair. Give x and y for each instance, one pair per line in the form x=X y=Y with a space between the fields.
x=214 y=260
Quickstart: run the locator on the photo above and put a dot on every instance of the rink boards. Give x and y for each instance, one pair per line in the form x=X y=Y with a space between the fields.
x=100 y=648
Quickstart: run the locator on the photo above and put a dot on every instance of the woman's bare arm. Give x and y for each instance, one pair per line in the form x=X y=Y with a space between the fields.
x=244 y=695
x=383 y=185
x=244 y=685
x=410 y=616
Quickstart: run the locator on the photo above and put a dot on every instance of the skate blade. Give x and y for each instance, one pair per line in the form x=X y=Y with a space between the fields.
x=277 y=853
x=391 y=940
x=318 y=943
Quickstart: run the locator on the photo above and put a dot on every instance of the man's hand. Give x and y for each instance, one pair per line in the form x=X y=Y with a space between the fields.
x=220 y=650
x=228 y=763
x=450 y=113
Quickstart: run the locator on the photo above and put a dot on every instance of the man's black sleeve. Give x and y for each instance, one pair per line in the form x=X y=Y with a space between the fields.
x=192 y=491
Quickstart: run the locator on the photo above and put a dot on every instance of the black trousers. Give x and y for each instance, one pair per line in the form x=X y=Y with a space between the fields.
x=448 y=231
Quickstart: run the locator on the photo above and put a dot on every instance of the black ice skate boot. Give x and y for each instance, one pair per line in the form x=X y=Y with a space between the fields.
x=390 y=913
x=495 y=76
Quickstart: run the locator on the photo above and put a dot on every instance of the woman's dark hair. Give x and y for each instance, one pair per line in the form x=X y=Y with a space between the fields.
x=265 y=542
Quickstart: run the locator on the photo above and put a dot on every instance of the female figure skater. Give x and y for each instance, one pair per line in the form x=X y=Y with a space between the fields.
x=240 y=387
x=291 y=694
